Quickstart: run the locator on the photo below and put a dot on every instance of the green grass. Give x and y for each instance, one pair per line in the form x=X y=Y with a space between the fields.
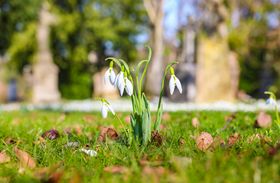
x=243 y=162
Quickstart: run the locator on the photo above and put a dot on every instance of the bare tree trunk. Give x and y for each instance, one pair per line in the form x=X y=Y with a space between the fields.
x=155 y=12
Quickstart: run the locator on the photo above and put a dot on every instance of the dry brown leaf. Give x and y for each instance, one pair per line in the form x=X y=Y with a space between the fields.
x=127 y=119
x=117 y=169
x=25 y=159
x=264 y=120
x=157 y=171
x=76 y=178
x=218 y=142
x=50 y=134
x=10 y=140
x=166 y=116
x=204 y=141
x=233 y=139
x=274 y=150
x=4 y=157
x=181 y=141
x=89 y=118
x=107 y=132
x=55 y=177
x=195 y=122
x=157 y=138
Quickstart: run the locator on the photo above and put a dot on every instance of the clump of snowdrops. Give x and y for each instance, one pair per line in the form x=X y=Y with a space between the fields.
x=131 y=81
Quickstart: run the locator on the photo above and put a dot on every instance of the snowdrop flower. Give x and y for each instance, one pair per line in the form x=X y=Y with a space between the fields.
x=128 y=86
x=119 y=82
x=89 y=152
x=271 y=101
x=123 y=83
x=174 y=82
x=105 y=108
x=110 y=75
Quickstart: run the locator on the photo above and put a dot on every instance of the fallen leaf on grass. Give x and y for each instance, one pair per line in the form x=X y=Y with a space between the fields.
x=157 y=138
x=274 y=150
x=10 y=140
x=195 y=122
x=166 y=116
x=76 y=178
x=56 y=177
x=107 y=132
x=26 y=161
x=233 y=139
x=204 y=141
x=155 y=171
x=181 y=141
x=89 y=118
x=127 y=119
x=4 y=158
x=116 y=169
x=76 y=129
x=48 y=174
x=50 y=134
x=218 y=142
x=264 y=120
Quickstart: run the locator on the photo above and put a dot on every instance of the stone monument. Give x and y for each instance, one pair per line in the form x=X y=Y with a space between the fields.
x=213 y=77
x=45 y=72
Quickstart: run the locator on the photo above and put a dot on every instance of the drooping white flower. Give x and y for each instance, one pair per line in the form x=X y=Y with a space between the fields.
x=174 y=82
x=105 y=108
x=128 y=86
x=110 y=76
x=271 y=101
x=119 y=82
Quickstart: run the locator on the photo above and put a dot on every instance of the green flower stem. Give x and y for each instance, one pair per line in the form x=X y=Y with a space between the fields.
x=116 y=116
x=169 y=66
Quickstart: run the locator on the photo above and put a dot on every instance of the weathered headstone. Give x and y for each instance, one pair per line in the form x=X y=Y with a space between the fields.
x=214 y=81
x=101 y=89
x=45 y=72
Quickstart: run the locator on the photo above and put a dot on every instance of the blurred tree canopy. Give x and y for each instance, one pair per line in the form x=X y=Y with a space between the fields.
x=255 y=36
x=102 y=27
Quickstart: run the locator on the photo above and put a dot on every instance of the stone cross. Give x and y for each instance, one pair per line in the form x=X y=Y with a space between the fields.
x=45 y=72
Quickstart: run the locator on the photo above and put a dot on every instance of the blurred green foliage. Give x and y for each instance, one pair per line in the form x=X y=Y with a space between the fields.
x=256 y=41
x=104 y=27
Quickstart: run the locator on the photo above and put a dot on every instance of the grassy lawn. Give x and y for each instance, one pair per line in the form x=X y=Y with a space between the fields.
x=177 y=159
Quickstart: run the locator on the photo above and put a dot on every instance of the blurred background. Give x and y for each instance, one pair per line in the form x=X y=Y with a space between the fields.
x=53 y=50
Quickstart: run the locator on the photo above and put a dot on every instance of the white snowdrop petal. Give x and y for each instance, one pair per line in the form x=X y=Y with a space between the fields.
x=112 y=77
x=104 y=110
x=121 y=87
x=116 y=81
x=171 y=85
x=106 y=76
x=178 y=84
x=128 y=87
